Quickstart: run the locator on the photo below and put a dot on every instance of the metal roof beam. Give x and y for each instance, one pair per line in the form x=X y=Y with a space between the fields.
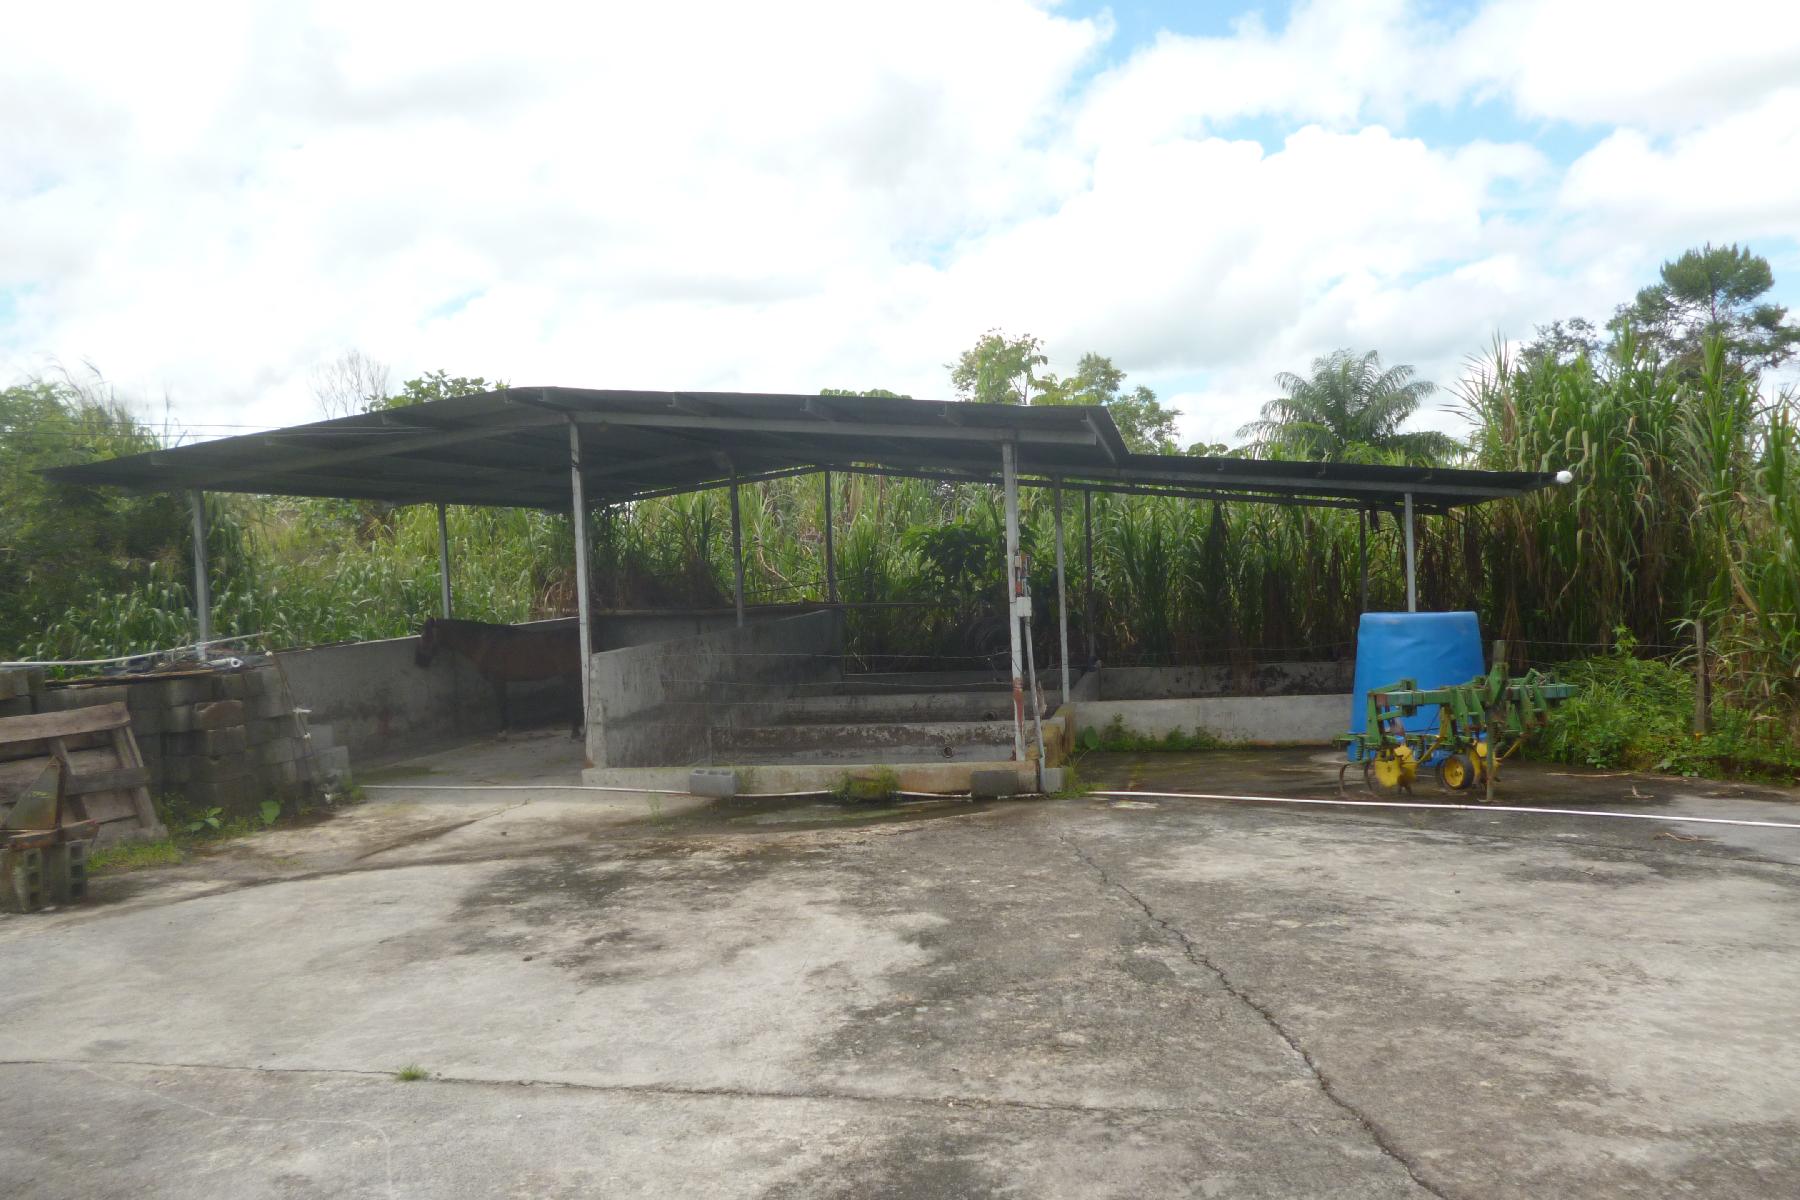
x=844 y=429
x=383 y=441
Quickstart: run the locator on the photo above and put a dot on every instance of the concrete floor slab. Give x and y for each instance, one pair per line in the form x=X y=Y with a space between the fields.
x=1080 y=997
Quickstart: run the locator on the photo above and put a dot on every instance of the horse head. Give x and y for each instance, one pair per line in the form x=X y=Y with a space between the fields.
x=428 y=643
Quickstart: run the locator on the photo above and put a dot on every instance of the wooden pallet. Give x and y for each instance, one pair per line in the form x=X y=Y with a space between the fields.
x=103 y=775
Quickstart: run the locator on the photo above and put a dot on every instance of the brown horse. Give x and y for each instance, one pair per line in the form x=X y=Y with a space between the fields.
x=508 y=654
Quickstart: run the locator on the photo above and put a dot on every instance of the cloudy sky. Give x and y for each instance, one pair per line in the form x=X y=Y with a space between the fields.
x=206 y=202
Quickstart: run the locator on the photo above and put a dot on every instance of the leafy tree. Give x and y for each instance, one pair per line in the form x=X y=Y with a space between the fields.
x=1714 y=291
x=61 y=544
x=1350 y=409
x=998 y=369
x=433 y=385
x=1562 y=342
x=1146 y=426
x=870 y=393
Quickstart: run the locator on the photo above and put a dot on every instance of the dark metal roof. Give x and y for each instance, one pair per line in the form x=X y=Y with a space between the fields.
x=511 y=448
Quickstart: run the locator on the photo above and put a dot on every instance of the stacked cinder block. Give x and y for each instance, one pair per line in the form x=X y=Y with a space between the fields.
x=224 y=738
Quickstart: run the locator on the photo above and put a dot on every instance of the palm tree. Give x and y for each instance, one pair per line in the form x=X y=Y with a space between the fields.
x=1348 y=410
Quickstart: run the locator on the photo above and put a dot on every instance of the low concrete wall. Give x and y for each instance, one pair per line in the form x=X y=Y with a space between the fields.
x=1258 y=720
x=1254 y=679
x=655 y=704
x=381 y=705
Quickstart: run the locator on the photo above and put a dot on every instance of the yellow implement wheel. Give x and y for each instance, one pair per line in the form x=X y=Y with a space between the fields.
x=1455 y=772
x=1479 y=760
x=1388 y=771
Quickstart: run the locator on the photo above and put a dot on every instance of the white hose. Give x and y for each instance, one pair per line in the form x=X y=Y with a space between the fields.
x=1485 y=808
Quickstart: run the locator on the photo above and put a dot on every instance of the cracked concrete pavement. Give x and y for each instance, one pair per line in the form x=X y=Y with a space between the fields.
x=1055 y=998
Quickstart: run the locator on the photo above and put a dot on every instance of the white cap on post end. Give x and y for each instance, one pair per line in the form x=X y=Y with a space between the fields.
x=1565 y=477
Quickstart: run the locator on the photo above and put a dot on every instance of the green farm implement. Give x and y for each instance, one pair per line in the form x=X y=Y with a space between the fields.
x=1480 y=724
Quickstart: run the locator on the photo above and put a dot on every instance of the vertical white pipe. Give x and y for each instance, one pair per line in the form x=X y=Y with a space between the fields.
x=830 y=550
x=583 y=605
x=1412 y=574
x=1009 y=486
x=444 y=559
x=1062 y=591
x=737 y=553
x=202 y=583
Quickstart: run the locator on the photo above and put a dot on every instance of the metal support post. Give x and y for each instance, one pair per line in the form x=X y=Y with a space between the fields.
x=444 y=559
x=1087 y=575
x=830 y=551
x=1009 y=487
x=202 y=582
x=584 y=620
x=1362 y=556
x=1412 y=572
x=737 y=553
x=1062 y=590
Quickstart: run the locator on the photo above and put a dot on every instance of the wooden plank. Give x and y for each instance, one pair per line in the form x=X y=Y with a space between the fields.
x=125 y=742
x=64 y=724
x=119 y=779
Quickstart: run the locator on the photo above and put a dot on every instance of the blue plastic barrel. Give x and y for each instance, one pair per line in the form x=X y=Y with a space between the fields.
x=1434 y=649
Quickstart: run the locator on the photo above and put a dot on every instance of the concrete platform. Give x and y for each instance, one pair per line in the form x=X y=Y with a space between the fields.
x=1068 y=998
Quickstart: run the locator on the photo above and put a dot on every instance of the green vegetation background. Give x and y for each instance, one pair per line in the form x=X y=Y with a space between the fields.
x=1685 y=507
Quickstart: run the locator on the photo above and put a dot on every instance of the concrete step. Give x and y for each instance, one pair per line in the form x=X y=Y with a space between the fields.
x=864 y=736
x=991 y=704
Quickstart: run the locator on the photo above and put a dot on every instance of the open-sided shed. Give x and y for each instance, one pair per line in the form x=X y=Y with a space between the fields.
x=573 y=449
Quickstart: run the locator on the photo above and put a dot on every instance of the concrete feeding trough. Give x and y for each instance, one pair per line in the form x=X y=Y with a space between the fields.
x=717 y=782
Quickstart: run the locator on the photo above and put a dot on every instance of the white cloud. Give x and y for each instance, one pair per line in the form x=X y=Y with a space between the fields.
x=802 y=194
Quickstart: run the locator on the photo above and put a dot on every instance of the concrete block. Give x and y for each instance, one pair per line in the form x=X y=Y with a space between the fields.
x=229 y=685
x=263 y=707
x=16 y=706
x=988 y=785
x=282 y=775
x=209 y=743
x=719 y=782
x=282 y=750
x=262 y=681
x=219 y=714
x=323 y=737
x=148 y=721
x=186 y=690
x=195 y=768
x=84 y=697
x=178 y=719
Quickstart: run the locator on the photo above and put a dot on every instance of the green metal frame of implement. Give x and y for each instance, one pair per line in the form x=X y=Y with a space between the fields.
x=1475 y=720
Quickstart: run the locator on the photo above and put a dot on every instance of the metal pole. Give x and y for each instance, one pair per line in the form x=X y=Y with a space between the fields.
x=1009 y=487
x=1062 y=590
x=1087 y=574
x=830 y=552
x=1362 y=555
x=737 y=553
x=202 y=584
x=583 y=604
x=1412 y=573
x=1037 y=708
x=444 y=560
